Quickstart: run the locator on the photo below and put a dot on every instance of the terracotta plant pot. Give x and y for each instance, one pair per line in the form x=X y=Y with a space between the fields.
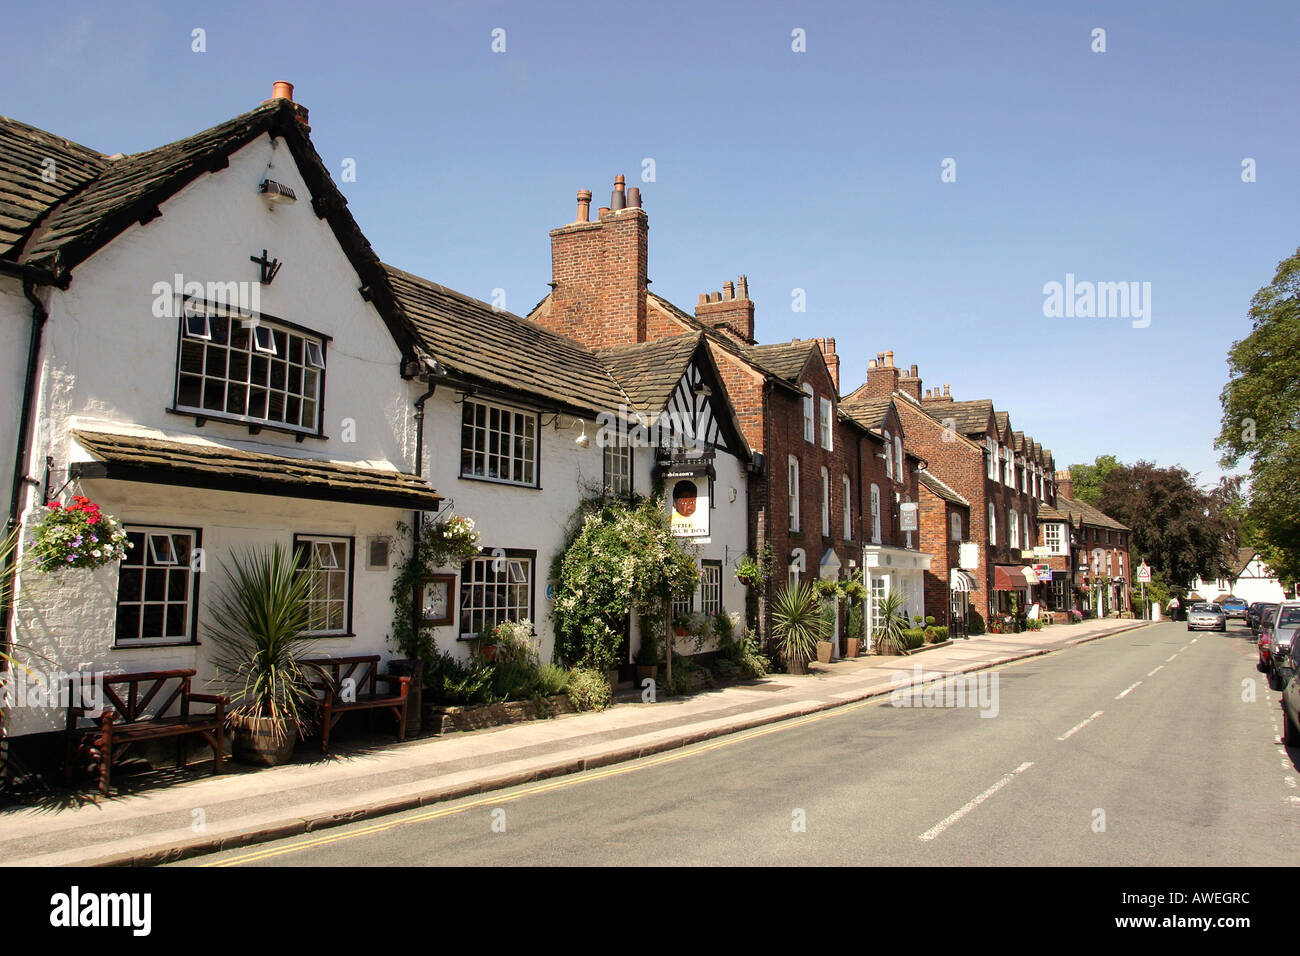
x=642 y=672
x=855 y=645
x=611 y=676
x=824 y=652
x=257 y=740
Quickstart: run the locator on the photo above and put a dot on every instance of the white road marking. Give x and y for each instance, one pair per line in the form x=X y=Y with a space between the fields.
x=1295 y=801
x=1128 y=691
x=1153 y=673
x=1195 y=639
x=1183 y=648
x=952 y=818
x=1290 y=782
x=1168 y=659
x=1075 y=729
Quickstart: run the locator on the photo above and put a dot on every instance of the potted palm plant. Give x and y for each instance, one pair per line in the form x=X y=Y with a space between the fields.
x=798 y=626
x=259 y=620
x=891 y=622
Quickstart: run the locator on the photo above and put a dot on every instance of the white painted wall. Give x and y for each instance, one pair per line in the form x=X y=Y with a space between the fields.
x=110 y=365
x=511 y=516
x=66 y=620
x=15 y=332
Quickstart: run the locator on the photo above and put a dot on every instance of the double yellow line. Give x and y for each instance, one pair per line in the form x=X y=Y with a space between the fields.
x=495 y=800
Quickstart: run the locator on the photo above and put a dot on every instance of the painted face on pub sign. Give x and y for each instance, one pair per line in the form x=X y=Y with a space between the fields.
x=684 y=493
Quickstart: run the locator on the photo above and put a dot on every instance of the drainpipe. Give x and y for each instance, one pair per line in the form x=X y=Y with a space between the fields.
x=419 y=473
x=31 y=278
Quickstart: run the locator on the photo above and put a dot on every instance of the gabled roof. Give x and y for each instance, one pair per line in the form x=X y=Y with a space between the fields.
x=1018 y=441
x=932 y=482
x=745 y=353
x=870 y=413
x=1080 y=512
x=37 y=170
x=59 y=230
x=785 y=359
x=1244 y=557
x=503 y=350
x=971 y=417
x=649 y=371
x=1003 y=421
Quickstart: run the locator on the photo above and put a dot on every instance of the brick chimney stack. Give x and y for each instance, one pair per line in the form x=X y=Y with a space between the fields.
x=1064 y=484
x=832 y=360
x=730 y=311
x=934 y=395
x=599 y=272
x=882 y=375
x=910 y=383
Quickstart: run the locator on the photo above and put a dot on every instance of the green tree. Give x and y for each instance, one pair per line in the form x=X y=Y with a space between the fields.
x=1261 y=418
x=1176 y=527
x=1088 y=479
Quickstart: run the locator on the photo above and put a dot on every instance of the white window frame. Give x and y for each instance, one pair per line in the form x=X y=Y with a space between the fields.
x=792 y=491
x=993 y=523
x=954 y=526
x=616 y=464
x=711 y=587
x=322 y=553
x=1013 y=528
x=514 y=427
x=1053 y=538
x=898 y=456
x=809 y=415
x=848 y=507
x=991 y=453
x=208 y=365
x=826 y=502
x=828 y=424
x=889 y=456
x=483 y=576
x=144 y=555
x=1024 y=531
x=875 y=514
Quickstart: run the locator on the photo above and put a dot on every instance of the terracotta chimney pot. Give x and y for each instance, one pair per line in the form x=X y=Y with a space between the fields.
x=584 y=205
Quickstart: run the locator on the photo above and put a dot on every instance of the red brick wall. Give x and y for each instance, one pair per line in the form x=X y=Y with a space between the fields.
x=599 y=272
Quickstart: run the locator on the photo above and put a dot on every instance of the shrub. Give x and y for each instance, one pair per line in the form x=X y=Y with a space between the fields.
x=1075 y=616
x=1034 y=624
x=938 y=634
x=513 y=680
x=552 y=679
x=797 y=625
x=913 y=637
x=588 y=689
x=688 y=677
x=451 y=681
x=742 y=659
x=976 y=624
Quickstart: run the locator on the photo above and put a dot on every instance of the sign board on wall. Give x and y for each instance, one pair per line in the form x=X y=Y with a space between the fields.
x=689 y=497
x=907 y=512
x=968 y=555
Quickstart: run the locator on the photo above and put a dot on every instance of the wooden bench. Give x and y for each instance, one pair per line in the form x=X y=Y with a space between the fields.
x=136 y=709
x=350 y=684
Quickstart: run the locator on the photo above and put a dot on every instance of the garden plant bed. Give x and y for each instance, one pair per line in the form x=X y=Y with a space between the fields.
x=448 y=719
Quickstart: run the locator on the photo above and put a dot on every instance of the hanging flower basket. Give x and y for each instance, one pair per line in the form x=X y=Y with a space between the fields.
x=76 y=536
x=452 y=541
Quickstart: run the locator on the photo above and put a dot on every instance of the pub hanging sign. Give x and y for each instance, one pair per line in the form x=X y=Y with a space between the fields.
x=688 y=487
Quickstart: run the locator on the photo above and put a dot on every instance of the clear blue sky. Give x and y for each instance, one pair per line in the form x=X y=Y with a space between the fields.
x=817 y=170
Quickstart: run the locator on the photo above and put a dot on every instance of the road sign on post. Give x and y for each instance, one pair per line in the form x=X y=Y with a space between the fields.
x=1144 y=573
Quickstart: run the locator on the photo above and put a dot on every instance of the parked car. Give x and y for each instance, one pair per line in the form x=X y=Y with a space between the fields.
x=1266 y=618
x=1206 y=617
x=1234 y=608
x=1280 y=634
x=1291 y=700
x=1255 y=615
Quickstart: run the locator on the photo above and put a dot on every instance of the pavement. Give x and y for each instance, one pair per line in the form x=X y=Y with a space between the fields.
x=208 y=814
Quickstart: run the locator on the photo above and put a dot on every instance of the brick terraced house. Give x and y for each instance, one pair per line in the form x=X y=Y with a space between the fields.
x=824 y=490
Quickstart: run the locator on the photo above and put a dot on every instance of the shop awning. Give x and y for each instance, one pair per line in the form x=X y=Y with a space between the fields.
x=221 y=468
x=963 y=581
x=1013 y=577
